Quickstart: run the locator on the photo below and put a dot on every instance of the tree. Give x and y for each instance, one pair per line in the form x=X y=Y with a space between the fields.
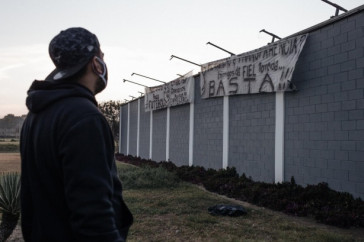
x=110 y=109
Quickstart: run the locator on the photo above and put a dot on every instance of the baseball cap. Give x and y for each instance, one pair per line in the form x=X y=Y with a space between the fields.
x=70 y=51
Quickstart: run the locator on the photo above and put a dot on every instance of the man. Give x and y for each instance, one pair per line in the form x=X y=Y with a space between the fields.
x=69 y=186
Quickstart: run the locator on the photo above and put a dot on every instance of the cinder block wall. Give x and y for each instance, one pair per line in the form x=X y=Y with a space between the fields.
x=251 y=135
x=159 y=135
x=124 y=129
x=133 y=128
x=324 y=120
x=207 y=146
x=179 y=134
x=144 y=134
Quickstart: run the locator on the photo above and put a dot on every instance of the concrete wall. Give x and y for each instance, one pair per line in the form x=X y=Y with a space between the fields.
x=179 y=134
x=323 y=121
x=251 y=133
x=124 y=129
x=133 y=128
x=144 y=136
x=159 y=135
x=207 y=150
x=324 y=127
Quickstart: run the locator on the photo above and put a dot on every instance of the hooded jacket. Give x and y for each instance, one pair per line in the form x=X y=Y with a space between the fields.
x=70 y=190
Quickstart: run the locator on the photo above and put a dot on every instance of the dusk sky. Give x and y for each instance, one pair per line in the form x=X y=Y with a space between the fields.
x=140 y=36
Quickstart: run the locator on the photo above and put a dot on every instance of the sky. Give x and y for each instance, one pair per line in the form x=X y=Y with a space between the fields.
x=140 y=36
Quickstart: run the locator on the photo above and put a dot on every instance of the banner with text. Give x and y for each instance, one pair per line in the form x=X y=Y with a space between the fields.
x=267 y=69
x=177 y=92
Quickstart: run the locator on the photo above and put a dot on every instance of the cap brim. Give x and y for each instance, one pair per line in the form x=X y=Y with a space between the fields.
x=61 y=74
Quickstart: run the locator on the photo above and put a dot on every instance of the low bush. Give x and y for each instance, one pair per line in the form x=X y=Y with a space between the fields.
x=147 y=177
x=9 y=148
x=318 y=201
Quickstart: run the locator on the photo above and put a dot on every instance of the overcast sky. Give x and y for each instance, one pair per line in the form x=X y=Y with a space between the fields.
x=141 y=35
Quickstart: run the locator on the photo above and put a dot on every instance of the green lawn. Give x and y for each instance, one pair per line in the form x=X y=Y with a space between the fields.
x=180 y=213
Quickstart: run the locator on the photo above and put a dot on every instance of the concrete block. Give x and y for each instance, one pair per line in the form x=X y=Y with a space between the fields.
x=348 y=85
x=327 y=42
x=321 y=108
x=359 y=145
x=355 y=54
x=348 y=46
x=315 y=100
x=327 y=61
x=340 y=57
x=342 y=135
x=360 y=124
x=356 y=74
x=355 y=94
x=348 y=125
x=348 y=145
x=332 y=69
x=360 y=104
x=327 y=98
x=356 y=114
x=348 y=65
x=336 y=49
x=327 y=116
x=348 y=105
x=356 y=156
x=333 y=164
x=359 y=189
x=334 y=88
x=341 y=96
x=309 y=109
x=355 y=176
x=341 y=77
x=360 y=62
x=341 y=115
x=341 y=155
x=355 y=34
x=347 y=26
x=356 y=135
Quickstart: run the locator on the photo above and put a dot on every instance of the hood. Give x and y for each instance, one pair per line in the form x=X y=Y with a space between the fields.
x=42 y=94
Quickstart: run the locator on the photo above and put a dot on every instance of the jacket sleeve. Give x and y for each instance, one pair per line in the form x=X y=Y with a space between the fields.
x=87 y=156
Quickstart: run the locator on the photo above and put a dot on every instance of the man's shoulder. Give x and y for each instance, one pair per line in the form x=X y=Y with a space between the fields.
x=75 y=108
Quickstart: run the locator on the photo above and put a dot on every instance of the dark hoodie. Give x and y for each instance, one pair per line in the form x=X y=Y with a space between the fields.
x=69 y=186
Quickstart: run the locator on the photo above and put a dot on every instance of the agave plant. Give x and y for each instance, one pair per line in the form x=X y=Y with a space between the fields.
x=9 y=203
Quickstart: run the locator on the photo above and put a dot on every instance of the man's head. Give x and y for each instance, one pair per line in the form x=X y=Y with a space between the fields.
x=76 y=53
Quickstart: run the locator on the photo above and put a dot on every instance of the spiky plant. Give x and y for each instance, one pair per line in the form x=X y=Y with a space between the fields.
x=9 y=203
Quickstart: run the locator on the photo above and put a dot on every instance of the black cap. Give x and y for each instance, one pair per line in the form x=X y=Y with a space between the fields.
x=70 y=51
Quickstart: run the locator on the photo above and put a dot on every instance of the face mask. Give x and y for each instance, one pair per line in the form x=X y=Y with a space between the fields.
x=103 y=75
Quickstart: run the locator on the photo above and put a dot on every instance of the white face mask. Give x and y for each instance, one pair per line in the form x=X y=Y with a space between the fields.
x=103 y=75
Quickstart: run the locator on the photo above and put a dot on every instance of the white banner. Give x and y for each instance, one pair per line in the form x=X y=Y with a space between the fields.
x=177 y=92
x=267 y=69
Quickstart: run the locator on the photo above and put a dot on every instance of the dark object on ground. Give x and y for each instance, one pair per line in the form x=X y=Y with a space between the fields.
x=227 y=210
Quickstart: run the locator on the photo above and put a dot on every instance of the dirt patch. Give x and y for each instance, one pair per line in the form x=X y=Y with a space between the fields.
x=9 y=162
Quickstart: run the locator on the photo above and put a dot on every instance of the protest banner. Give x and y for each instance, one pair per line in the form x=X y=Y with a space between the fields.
x=267 y=69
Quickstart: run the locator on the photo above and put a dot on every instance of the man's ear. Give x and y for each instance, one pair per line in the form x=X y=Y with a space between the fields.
x=96 y=65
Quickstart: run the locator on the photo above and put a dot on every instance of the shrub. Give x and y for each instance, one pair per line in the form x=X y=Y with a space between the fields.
x=318 y=201
x=9 y=203
x=147 y=177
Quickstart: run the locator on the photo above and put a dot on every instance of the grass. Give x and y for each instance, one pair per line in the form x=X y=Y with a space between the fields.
x=177 y=211
x=9 y=145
